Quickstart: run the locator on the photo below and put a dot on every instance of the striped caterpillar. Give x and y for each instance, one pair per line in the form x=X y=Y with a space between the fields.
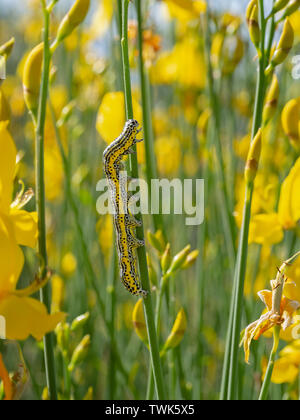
x=124 y=222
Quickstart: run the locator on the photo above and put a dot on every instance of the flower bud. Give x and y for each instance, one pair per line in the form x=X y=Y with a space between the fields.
x=177 y=332
x=179 y=259
x=279 y=5
x=271 y=101
x=166 y=259
x=291 y=8
x=155 y=241
x=80 y=321
x=202 y=124
x=250 y=9
x=191 y=259
x=284 y=46
x=45 y=394
x=151 y=271
x=216 y=49
x=58 y=293
x=66 y=113
x=253 y=26
x=89 y=395
x=32 y=78
x=62 y=332
x=72 y=19
x=6 y=48
x=139 y=323
x=80 y=352
x=253 y=157
x=290 y=118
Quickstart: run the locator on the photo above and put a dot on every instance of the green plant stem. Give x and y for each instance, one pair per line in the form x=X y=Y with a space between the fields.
x=226 y=212
x=241 y=262
x=266 y=383
x=239 y=290
x=67 y=378
x=111 y=316
x=151 y=171
x=142 y=259
x=161 y=292
x=40 y=205
x=74 y=208
x=91 y=276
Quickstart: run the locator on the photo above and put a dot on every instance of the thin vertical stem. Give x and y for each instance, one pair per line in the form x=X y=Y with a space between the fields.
x=226 y=213
x=142 y=259
x=266 y=383
x=241 y=262
x=151 y=171
x=40 y=204
x=90 y=273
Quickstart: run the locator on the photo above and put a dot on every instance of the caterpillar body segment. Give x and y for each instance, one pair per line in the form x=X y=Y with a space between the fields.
x=124 y=222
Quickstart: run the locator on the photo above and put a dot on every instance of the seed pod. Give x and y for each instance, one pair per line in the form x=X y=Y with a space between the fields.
x=284 y=46
x=253 y=157
x=271 y=100
x=72 y=19
x=32 y=78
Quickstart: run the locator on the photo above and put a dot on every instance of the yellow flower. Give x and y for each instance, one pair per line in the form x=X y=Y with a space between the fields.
x=105 y=231
x=102 y=19
x=267 y=228
x=295 y=22
x=226 y=52
x=111 y=118
x=286 y=368
x=68 y=264
x=165 y=147
x=23 y=315
x=289 y=201
x=183 y=65
x=280 y=310
x=186 y=10
x=290 y=122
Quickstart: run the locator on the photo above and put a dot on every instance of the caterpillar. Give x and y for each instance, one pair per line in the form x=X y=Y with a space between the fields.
x=124 y=221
